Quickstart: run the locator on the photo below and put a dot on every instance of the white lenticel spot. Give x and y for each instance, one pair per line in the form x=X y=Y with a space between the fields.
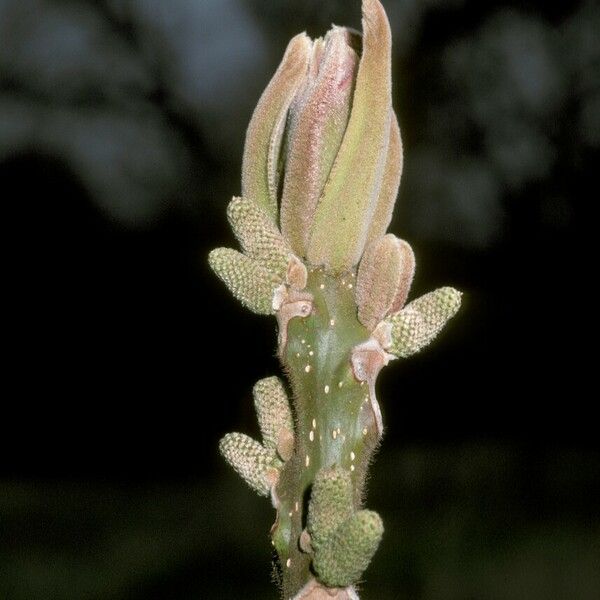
x=365 y=431
x=314 y=423
x=311 y=353
x=307 y=461
x=352 y=456
x=288 y=562
x=327 y=389
x=334 y=434
x=352 y=467
x=307 y=368
x=340 y=384
x=311 y=435
x=322 y=286
x=332 y=322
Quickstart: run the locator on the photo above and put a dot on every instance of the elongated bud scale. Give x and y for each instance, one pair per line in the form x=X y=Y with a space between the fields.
x=258 y=235
x=350 y=196
x=318 y=119
x=263 y=139
x=251 y=461
x=247 y=279
x=384 y=208
x=418 y=323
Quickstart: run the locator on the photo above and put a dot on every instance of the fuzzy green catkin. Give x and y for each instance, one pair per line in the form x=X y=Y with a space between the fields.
x=258 y=235
x=273 y=410
x=250 y=460
x=418 y=323
x=247 y=279
x=347 y=553
x=330 y=503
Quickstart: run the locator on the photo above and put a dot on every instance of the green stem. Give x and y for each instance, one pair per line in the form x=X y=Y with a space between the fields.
x=334 y=420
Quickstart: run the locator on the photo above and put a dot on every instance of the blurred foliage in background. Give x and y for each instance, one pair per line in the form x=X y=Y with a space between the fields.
x=121 y=132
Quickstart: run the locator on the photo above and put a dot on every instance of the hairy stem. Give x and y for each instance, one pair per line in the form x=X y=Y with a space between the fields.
x=335 y=425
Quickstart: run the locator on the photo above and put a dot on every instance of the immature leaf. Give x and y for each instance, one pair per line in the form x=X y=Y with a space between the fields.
x=318 y=119
x=346 y=208
x=273 y=411
x=418 y=323
x=382 y=215
x=347 y=553
x=251 y=461
x=330 y=503
x=248 y=280
x=266 y=126
x=258 y=235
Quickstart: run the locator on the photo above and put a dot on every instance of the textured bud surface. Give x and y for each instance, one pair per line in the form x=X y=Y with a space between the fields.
x=258 y=235
x=250 y=460
x=415 y=326
x=330 y=503
x=347 y=553
x=273 y=410
x=249 y=281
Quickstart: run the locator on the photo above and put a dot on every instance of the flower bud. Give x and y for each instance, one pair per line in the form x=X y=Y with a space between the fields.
x=324 y=147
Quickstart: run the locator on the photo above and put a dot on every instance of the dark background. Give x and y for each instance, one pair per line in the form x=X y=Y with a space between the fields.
x=121 y=132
